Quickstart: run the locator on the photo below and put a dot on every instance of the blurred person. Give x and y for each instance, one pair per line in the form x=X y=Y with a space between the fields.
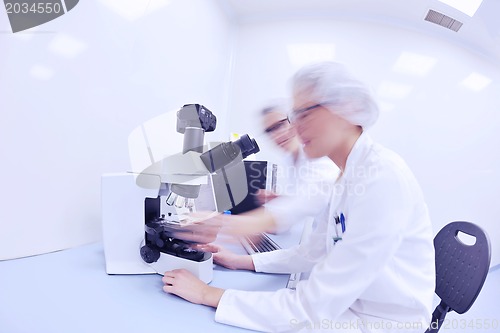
x=276 y=124
x=371 y=254
x=304 y=184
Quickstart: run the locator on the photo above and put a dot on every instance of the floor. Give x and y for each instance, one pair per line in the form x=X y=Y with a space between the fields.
x=484 y=315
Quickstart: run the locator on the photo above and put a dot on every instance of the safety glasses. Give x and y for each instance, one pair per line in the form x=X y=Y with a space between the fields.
x=303 y=113
x=277 y=126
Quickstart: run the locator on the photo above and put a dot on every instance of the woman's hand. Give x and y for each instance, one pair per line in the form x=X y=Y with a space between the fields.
x=227 y=258
x=204 y=227
x=200 y=227
x=182 y=283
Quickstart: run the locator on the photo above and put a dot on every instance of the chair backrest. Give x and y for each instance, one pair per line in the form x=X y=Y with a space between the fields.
x=461 y=269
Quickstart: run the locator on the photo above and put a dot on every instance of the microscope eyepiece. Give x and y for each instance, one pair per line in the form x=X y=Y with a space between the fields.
x=247 y=145
x=227 y=152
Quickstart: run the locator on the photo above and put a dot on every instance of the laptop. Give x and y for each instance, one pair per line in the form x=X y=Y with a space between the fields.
x=256 y=173
x=259 y=176
x=257 y=179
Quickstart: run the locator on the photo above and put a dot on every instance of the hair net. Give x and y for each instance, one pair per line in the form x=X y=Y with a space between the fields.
x=332 y=85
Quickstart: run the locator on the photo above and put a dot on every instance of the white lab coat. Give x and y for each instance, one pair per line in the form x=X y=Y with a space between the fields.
x=304 y=188
x=379 y=278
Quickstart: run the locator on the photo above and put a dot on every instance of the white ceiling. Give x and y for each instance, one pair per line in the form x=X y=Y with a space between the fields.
x=480 y=33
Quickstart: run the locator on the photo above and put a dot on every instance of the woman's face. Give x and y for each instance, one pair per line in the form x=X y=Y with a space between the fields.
x=321 y=131
x=278 y=128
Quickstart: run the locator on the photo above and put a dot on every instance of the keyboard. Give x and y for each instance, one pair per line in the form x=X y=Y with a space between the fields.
x=258 y=243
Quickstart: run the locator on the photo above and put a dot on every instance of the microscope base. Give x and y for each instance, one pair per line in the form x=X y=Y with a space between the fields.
x=203 y=270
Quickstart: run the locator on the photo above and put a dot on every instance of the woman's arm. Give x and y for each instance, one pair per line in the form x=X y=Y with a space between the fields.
x=227 y=258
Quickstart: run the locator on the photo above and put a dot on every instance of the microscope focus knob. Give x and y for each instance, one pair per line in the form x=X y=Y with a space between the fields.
x=149 y=254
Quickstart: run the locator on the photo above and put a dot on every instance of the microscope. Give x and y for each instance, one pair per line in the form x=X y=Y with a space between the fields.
x=147 y=216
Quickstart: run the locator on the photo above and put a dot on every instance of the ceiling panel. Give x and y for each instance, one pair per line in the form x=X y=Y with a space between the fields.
x=480 y=33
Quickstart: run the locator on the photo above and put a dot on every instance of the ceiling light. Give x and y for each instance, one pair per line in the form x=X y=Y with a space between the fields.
x=476 y=82
x=133 y=10
x=66 y=46
x=414 y=64
x=468 y=7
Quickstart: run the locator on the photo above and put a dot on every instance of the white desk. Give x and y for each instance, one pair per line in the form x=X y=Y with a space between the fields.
x=69 y=291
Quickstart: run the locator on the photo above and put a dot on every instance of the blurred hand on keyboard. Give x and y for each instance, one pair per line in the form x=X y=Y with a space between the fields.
x=200 y=227
x=226 y=258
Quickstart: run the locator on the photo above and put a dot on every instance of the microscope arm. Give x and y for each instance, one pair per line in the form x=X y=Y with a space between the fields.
x=187 y=169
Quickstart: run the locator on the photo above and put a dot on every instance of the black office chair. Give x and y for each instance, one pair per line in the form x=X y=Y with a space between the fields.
x=460 y=269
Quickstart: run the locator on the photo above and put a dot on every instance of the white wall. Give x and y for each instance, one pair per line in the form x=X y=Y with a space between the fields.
x=446 y=132
x=72 y=90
